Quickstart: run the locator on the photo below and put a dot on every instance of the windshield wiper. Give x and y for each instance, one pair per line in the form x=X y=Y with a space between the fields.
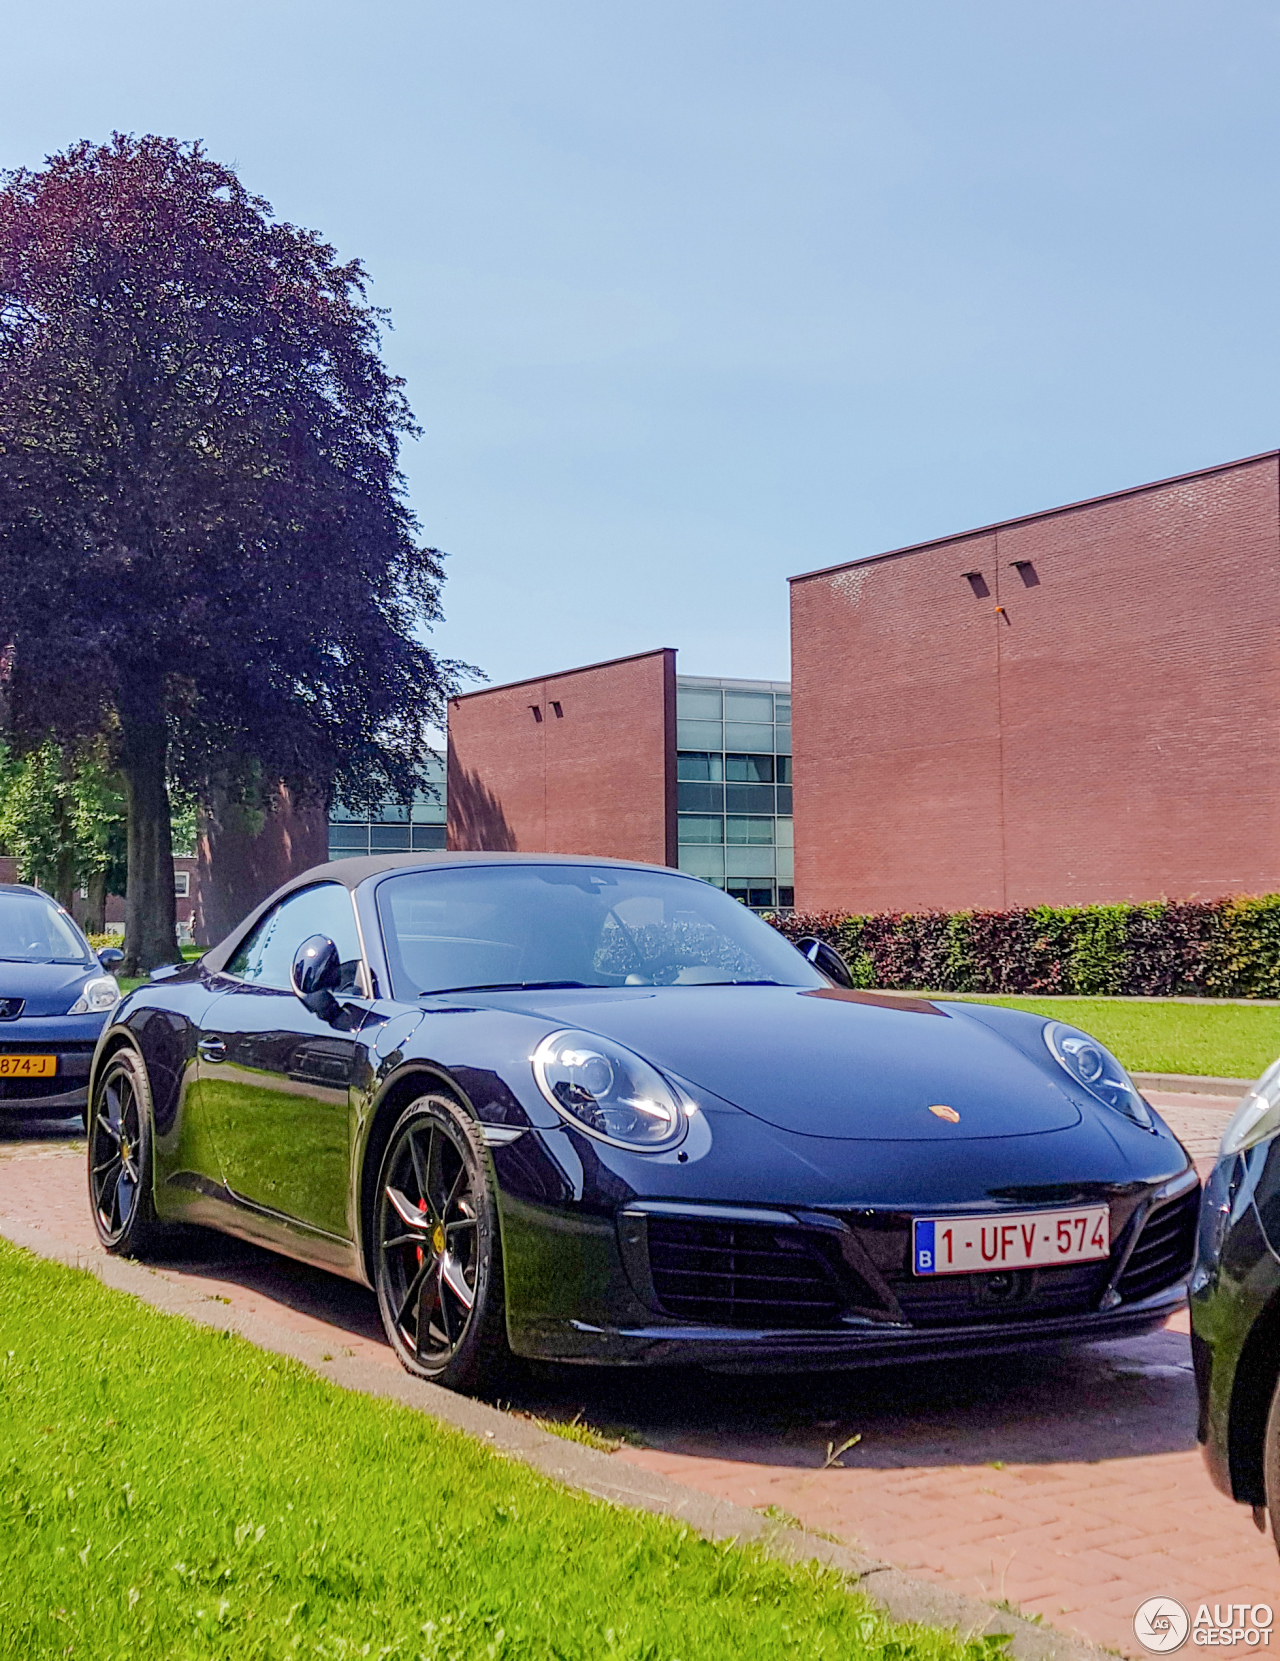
x=510 y=986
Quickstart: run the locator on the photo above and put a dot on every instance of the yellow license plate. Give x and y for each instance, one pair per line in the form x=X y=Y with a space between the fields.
x=28 y=1066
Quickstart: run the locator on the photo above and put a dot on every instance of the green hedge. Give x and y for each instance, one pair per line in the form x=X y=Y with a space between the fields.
x=1202 y=948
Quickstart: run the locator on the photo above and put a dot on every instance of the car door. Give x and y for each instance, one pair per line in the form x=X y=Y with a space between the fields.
x=275 y=1077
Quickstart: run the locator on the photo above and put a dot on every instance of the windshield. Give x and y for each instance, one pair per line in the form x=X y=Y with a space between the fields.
x=34 y=930
x=497 y=927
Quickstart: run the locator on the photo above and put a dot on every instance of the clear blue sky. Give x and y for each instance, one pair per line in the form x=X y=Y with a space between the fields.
x=693 y=296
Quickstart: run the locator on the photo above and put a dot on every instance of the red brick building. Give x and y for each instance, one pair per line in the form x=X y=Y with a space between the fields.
x=1076 y=705
x=579 y=762
x=185 y=899
x=628 y=759
x=242 y=857
x=184 y=888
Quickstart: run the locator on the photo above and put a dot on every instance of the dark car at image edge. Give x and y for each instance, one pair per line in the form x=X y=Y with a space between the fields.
x=1235 y=1306
x=591 y=1111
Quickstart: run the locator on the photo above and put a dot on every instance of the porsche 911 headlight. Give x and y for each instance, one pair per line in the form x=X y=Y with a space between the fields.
x=1257 y=1119
x=1098 y=1070
x=97 y=995
x=609 y=1091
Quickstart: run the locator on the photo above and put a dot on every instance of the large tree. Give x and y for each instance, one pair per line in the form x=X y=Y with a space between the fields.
x=205 y=545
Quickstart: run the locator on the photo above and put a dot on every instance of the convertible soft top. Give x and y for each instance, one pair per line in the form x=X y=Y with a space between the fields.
x=352 y=872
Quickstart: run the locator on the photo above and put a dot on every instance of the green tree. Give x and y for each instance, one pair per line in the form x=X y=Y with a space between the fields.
x=36 y=819
x=101 y=831
x=62 y=820
x=204 y=542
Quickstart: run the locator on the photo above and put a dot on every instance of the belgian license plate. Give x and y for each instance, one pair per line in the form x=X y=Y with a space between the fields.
x=1014 y=1240
x=28 y=1066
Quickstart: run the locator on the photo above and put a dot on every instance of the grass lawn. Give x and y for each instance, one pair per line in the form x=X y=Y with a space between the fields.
x=1231 y=1040
x=167 y=1492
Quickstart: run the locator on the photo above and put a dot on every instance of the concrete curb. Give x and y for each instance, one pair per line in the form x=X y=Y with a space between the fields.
x=575 y=1466
x=1193 y=1084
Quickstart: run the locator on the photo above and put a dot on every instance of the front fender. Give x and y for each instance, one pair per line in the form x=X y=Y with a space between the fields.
x=413 y=1050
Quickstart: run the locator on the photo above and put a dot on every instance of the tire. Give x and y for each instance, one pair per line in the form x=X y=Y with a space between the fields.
x=121 y=1195
x=1271 y=1467
x=439 y=1279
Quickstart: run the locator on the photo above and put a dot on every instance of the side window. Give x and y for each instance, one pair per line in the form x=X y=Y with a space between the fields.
x=266 y=957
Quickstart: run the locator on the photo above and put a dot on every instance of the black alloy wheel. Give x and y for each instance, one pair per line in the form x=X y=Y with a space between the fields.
x=439 y=1264
x=120 y=1192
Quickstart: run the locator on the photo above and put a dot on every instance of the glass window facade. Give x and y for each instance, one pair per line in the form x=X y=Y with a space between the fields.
x=733 y=795
x=396 y=828
x=733 y=773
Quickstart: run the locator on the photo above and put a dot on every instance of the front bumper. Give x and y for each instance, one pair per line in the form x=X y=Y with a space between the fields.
x=677 y=1283
x=869 y=1345
x=72 y=1039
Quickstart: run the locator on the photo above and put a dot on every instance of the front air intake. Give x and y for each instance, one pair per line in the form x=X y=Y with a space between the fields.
x=1165 y=1249
x=741 y=1274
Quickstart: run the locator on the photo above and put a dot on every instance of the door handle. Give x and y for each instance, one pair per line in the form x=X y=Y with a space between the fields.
x=212 y=1049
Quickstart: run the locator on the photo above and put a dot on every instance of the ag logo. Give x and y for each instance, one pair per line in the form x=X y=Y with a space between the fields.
x=1161 y=1625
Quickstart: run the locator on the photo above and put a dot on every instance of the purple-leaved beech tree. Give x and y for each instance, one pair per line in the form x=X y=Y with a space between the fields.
x=205 y=547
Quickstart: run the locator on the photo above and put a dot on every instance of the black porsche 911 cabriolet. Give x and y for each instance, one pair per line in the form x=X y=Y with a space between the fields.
x=593 y=1111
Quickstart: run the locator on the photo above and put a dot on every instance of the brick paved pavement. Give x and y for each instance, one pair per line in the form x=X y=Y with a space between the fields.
x=1069 y=1486
x=43 y=1184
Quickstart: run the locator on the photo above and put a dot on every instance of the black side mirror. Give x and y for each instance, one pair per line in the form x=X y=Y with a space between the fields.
x=110 y=956
x=826 y=959
x=317 y=974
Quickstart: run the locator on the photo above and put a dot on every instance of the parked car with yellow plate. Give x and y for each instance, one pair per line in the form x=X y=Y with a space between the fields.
x=55 y=995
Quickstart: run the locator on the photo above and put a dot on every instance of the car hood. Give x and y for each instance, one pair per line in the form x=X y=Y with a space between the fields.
x=832 y=1063
x=46 y=988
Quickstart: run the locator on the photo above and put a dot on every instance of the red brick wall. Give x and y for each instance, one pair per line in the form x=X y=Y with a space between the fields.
x=241 y=858
x=599 y=778
x=1112 y=733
